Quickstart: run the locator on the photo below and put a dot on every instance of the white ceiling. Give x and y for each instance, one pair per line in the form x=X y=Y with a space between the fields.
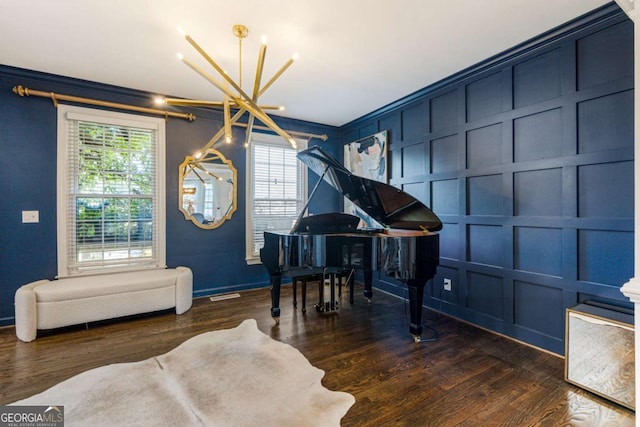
x=355 y=55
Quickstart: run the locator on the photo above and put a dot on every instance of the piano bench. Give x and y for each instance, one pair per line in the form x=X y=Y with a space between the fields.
x=304 y=279
x=325 y=281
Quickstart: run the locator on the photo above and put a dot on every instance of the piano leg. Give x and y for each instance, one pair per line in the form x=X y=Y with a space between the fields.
x=304 y=294
x=416 y=294
x=275 y=297
x=294 y=284
x=368 y=284
x=350 y=281
x=332 y=291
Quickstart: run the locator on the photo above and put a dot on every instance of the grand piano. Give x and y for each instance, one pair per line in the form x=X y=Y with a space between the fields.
x=403 y=243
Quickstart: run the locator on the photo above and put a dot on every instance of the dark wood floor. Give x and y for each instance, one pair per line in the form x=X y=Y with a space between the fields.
x=466 y=377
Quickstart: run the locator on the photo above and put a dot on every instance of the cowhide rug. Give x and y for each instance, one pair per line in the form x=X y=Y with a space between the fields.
x=233 y=377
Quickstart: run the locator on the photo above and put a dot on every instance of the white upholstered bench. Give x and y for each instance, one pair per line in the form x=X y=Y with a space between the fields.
x=48 y=304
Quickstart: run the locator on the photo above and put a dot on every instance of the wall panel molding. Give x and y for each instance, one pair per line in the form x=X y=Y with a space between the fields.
x=528 y=159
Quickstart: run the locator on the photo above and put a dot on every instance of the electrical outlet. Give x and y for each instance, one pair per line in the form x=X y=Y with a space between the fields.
x=447 y=285
x=30 y=216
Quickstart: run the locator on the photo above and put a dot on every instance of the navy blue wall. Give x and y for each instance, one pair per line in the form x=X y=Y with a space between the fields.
x=528 y=160
x=28 y=182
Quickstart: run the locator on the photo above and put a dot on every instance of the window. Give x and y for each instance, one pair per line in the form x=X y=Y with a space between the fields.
x=111 y=191
x=277 y=189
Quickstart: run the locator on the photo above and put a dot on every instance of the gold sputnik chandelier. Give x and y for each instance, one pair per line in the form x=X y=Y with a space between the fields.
x=235 y=98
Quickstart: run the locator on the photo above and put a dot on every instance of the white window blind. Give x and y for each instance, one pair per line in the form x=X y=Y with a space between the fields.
x=111 y=192
x=278 y=189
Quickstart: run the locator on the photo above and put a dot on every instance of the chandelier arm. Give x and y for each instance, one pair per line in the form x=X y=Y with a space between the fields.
x=270 y=123
x=276 y=76
x=259 y=69
x=211 y=80
x=248 y=104
x=215 y=138
x=249 y=132
x=271 y=107
x=307 y=135
x=206 y=103
x=213 y=63
x=192 y=102
x=227 y=120
x=256 y=91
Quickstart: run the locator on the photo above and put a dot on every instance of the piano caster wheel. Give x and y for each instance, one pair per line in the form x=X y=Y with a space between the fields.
x=368 y=300
x=416 y=339
x=277 y=319
x=304 y=310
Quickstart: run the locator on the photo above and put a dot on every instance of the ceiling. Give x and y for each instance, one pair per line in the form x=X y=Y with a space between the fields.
x=355 y=55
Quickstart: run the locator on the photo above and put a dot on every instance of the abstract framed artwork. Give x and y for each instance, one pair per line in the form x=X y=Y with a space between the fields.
x=366 y=157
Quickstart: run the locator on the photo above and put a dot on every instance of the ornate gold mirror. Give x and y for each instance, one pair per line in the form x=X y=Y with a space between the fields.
x=207 y=193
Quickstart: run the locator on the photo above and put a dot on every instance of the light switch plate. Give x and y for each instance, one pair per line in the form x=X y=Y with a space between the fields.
x=30 y=216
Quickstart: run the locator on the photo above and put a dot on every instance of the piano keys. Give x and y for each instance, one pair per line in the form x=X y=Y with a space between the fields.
x=405 y=246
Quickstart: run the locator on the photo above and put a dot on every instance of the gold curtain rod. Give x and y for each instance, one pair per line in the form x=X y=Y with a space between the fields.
x=55 y=97
x=292 y=132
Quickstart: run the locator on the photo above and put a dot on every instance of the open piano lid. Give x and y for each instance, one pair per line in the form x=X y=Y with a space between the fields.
x=390 y=206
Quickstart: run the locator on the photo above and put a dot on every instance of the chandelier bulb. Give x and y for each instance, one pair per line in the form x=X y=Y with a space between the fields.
x=295 y=56
x=181 y=31
x=160 y=101
x=180 y=56
x=227 y=138
x=264 y=39
x=197 y=154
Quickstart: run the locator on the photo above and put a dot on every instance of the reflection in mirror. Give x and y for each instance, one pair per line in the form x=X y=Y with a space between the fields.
x=207 y=190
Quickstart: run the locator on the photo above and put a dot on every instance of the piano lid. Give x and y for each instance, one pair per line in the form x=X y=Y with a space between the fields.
x=390 y=206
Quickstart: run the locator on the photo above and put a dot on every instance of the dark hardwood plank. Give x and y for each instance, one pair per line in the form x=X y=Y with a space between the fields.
x=467 y=377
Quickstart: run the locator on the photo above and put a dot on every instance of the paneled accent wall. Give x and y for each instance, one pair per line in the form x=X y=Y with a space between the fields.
x=528 y=161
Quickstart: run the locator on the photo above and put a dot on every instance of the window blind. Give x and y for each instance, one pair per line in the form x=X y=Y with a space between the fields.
x=112 y=196
x=279 y=190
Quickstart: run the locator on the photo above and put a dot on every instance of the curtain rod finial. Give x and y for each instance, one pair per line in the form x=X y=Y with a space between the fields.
x=20 y=90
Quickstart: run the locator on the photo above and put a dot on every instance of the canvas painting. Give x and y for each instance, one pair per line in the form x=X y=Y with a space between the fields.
x=366 y=157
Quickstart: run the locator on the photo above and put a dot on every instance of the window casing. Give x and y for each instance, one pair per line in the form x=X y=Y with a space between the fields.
x=111 y=191
x=277 y=189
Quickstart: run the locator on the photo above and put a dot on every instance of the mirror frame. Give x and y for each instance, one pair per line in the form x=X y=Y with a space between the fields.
x=209 y=156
